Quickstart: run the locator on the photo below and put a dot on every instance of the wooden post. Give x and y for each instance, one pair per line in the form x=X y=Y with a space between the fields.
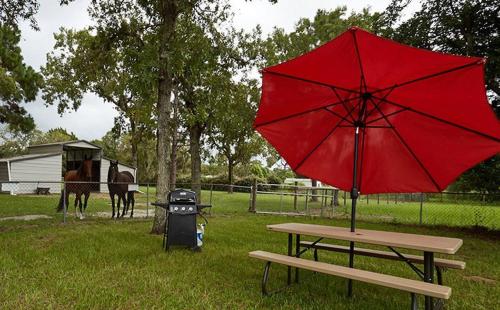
x=147 y=200
x=253 y=196
x=281 y=198
x=211 y=191
x=295 y=190
x=344 y=198
x=307 y=198
x=378 y=199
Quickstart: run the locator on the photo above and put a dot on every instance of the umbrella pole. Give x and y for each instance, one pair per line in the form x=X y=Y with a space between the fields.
x=354 y=197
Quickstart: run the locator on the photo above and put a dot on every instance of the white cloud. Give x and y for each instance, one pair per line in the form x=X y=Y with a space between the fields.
x=95 y=118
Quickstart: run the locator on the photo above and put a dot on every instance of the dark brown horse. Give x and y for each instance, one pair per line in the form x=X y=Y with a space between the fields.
x=118 y=185
x=71 y=178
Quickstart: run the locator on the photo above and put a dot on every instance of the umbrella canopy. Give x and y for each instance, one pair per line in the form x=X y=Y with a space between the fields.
x=422 y=117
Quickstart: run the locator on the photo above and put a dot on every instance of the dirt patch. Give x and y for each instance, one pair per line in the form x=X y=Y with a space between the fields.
x=138 y=213
x=481 y=279
x=29 y=217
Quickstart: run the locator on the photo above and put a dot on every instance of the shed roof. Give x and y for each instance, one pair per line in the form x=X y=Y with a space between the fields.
x=27 y=157
x=74 y=143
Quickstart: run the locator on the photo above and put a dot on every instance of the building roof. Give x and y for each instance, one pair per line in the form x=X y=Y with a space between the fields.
x=27 y=157
x=68 y=143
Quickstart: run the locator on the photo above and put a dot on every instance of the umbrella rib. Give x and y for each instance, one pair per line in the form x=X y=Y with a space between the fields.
x=425 y=77
x=387 y=115
x=384 y=97
x=343 y=103
x=322 y=140
x=410 y=150
x=363 y=80
x=442 y=120
x=339 y=116
x=301 y=113
x=310 y=81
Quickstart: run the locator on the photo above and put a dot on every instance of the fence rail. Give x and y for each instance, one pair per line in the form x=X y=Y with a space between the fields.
x=447 y=208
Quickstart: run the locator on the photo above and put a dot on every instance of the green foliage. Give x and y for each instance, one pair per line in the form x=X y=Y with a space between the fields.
x=18 y=82
x=12 y=12
x=484 y=178
x=465 y=27
x=309 y=34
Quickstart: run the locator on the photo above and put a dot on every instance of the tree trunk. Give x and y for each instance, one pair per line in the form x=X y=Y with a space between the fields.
x=194 y=150
x=230 y=166
x=173 y=151
x=133 y=142
x=168 y=13
x=314 y=192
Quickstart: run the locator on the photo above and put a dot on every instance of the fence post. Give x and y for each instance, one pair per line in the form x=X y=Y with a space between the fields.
x=378 y=199
x=64 y=203
x=421 y=205
x=281 y=198
x=307 y=198
x=295 y=190
x=344 y=198
x=147 y=200
x=211 y=191
x=367 y=201
x=253 y=196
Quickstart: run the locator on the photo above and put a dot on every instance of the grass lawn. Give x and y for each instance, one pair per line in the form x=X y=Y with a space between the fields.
x=103 y=263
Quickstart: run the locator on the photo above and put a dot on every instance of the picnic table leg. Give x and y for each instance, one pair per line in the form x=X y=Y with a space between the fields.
x=351 y=265
x=297 y=254
x=429 y=277
x=290 y=239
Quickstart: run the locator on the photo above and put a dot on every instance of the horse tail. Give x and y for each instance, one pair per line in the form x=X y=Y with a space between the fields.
x=60 y=206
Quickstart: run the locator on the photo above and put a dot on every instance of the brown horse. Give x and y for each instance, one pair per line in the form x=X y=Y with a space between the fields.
x=118 y=185
x=71 y=178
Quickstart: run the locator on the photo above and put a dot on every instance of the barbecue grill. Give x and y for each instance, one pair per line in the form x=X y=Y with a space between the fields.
x=181 y=226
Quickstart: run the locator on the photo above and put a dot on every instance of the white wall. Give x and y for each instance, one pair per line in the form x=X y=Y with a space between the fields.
x=47 y=168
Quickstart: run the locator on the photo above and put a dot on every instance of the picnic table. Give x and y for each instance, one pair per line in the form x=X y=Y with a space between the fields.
x=429 y=245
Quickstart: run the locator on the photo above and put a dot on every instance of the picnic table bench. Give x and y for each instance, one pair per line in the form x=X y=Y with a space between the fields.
x=428 y=244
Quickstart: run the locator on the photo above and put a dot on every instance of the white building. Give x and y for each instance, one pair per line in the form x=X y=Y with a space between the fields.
x=46 y=164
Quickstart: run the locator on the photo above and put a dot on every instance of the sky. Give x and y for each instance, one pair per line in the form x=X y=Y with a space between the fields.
x=94 y=118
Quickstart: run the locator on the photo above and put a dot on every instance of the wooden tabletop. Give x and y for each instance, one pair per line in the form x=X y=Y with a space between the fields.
x=401 y=240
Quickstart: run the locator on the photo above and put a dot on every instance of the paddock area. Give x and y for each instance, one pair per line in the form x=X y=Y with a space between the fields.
x=102 y=263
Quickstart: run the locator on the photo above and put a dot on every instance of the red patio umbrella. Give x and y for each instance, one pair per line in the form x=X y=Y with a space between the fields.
x=370 y=115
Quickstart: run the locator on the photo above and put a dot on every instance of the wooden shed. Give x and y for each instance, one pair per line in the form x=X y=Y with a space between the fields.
x=49 y=162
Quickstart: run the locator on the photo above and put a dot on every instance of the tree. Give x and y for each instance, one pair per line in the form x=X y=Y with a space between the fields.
x=203 y=73
x=465 y=27
x=18 y=81
x=113 y=63
x=233 y=136
x=54 y=135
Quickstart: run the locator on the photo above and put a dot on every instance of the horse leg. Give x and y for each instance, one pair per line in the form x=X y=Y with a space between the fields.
x=80 y=204
x=118 y=206
x=112 y=196
x=131 y=199
x=87 y=194
x=124 y=201
x=76 y=204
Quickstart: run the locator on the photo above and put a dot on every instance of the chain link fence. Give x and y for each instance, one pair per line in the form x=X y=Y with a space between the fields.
x=447 y=208
x=28 y=199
